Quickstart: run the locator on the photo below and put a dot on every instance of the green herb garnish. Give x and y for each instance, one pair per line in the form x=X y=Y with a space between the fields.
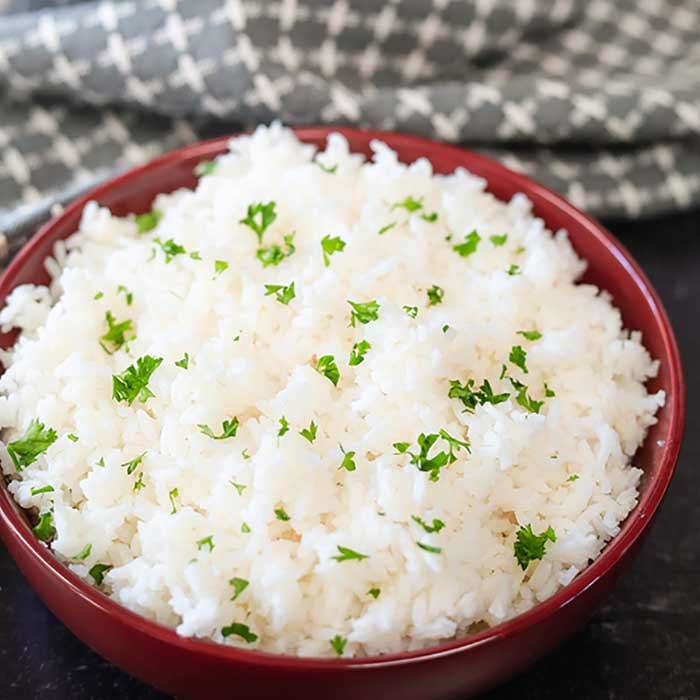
x=184 y=362
x=239 y=585
x=574 y=477
x=170 y=248
x=530 y=335
x=36 y=490
x=471 y=243
x=429 y=548
x=98 y=572
x=401 y=447
x=430 y=218
x=207 y=541
x=328 y=368
x=84 y=553
x=326 y=169
x=412 y=311
x=348 y=462
x=331 y=245
x=72 y=437
x=409 y=204
x=129 y=296
x=346 y=554
x=115 y=333
x=45 y=529
x=240 y=488
x=472 y=397
x=205 y=167
x=523 y=399
x=283 y=294
x=374 y=592
x=132 y=383
x=281 y=514
x=172 y=495
x=513 y=270
x=435 y=527
x=499 y=240
x=310 y=432
x=549 y=393
x=134 y=463
x=219 y=267
x=259 y=217
x=518 y=357
x=148 y=221
x=245 y=528
x=139 y=483
x=363 y=312
x=284 y=426
x=528 y=546
x=338 y=643
x=229 y=428
x=359 y=350
x=35 y=441
x=435 y=295
x=240 y=630
x=386 y=228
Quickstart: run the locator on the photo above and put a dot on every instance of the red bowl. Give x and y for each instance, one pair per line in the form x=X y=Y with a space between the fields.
x=202 y=670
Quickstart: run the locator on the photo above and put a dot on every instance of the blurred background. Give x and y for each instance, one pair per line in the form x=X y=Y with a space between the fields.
x=598 y=99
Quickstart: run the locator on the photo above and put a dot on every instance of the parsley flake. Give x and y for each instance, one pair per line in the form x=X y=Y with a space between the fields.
x=430 y=218
x=170 y=248
x=72 y=437
x=116 y=334
x=359 y=350
x=36 y=490
x=35 y=441
x=401 y=447
x=435 y=295
x=499 y=240
x=513 y=270
x=374 y=592
x=283 y=294
x=134 y=463
x=310 y=432
x=518 y=357
x=530 y=335
x=207 y=541
x=338 y=643
x=435 y=527
x=523 y=399
x=412 y=311
x=148 y=221
x=273 y=254
x=429 y=548
x=469 y=246
x=99 y=295
x=326 y=169
x=172 y=495
x=219 y=267
x=348 y=462
x=363 y=312
x=281 y=514
x=346 y=554
x=205 y=167
x=423 y=462
x=472 y=397
x=259 y=218
x=386 y=228
x=239 y=585
x=240 y=488
x=229 y=428
x=245 y=528
x=45 y=529
x=240 y=630
x=184 y=362
x=528 y=546
x=139 y=483
x=331 y=245
x=84 y=553
x=132 y=383
x=574 y=477
x=549 y=393
x=98 y=572
x=409 y=204
x=328 y=368
x=284 y=426
x=129 y=296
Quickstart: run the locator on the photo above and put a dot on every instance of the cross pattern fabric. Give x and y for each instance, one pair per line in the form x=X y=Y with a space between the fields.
x=599 y=99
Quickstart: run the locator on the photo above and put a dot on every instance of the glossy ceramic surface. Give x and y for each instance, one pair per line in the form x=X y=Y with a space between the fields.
x=198 y=670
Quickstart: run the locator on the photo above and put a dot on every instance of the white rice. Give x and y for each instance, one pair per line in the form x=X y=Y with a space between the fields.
x=299 y=597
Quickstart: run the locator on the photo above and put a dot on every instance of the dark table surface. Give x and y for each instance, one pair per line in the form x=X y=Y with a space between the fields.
x=644 y=644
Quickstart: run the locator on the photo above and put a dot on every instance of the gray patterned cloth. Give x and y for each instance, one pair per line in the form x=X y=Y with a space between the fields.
x=600 y=99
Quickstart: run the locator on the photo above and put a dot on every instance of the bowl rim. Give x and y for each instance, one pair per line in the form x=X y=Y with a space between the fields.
x=614 y=550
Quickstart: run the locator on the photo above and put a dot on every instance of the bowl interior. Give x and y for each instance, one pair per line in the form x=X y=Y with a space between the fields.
x=609 y=266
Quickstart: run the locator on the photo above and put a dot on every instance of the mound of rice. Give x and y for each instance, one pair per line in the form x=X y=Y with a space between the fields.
x=240 y=537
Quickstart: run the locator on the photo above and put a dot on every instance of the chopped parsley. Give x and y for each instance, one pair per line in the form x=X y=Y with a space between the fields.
x=374 y=592
x=472 y=397
x=207 y=541
x=454 y=445
x=346 y=554
x=134 y=463
x=195 y=255
x=429 y=548
x=331 y=245
x=401 y=447
x=229 y=428
x=84 y=553
x=435 y=295
x=423 y=462
x=273 y=254
x=148 y=221
x=205 y=167
x=219 y=267
x=170 y=248
x=99 y=295
x=139 y=483
x=499 y=240
x=283 y=294
x=409 y=204
x=244 y=453
x=239 y=585
x=326 y=169
x=240 y=630
x=328 y=368
x=528 y=546
x=36 y=490
x=129 y=296
x=132 y=383
x=310 y=432
x=435 y=527
x=245 y=528
x=240 y=488
x=359 y=350
x=116 y=333
x=348 y=462
x=259 y=218
x=549 y=393
x=338 y=643
x=35 y=441
x=523 y=399
x=281 y=514
x=412 y=311
x=363 y=312
x=101 y=462
x=445 y=328
x=513 y=270
x=98 y=572
x=172 y=495
x=184 y=362
x=574 y=477
x=45 y=529
x=284 y=426
x=72 y=437
x=530 y=335
x=469 y=246
x=518 y=357
x=430 y=218
x=386 y=228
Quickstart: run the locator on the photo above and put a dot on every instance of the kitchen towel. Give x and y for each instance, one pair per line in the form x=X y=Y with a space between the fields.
x=599 y=99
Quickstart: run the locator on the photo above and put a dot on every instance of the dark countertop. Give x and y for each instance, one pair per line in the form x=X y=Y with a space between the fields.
x=644 y=644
